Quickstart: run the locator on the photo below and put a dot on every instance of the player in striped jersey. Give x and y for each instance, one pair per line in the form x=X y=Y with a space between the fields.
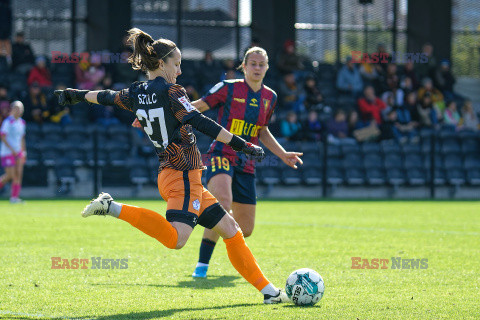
x=244 y=108
x=13 y=151
x=167 y=117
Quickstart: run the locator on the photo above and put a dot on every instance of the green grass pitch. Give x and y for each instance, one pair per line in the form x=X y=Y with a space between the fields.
x=323 y=236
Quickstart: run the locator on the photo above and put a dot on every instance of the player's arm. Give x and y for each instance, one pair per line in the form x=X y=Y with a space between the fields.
x=24 y=147
x=104 y=97
x=289 y=158
x=4 y=140
x=186 y=113
x=200 y=105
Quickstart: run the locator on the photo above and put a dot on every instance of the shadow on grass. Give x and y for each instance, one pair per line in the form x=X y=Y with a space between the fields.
x=160 y=313
x=211 y=282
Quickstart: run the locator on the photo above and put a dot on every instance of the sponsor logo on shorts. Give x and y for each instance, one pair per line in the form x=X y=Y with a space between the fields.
x=196 y=204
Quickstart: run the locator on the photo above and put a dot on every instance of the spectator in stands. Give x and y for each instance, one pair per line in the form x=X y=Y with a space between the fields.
x=4 y=103
x=445 y=81
x=313 y=97
x=210 y=71
x=23 y=58
x=59 y=114
x=389 y=128
x=384 y=59
x=354 y=123
x=425 y=114
x=229 y=70
x=469 y=117
x=410 y=103
x=312 y=127
x=40 y=74
x=89 y=74
x=407 y=85
x=409 y=72
x=5 y=31
x=451 y=116
x=291 y=94
x=349 y=79
x=369 y=74
x=370 y=105
x=337 y=128
x=435 y=94
x=291 y=127
x=36 y=107
x=288 y=61
x=393 y=84
x=427 y=69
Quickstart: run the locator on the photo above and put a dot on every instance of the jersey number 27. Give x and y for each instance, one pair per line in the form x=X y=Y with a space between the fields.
x=154 y=126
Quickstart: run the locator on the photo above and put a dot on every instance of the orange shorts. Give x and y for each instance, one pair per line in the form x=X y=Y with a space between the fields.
x=188 y=201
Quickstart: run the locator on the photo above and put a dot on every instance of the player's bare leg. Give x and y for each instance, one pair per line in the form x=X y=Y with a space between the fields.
x=244 y=262
x=7 y=176
x=17 y=181
x=244 y=214
x=220 y=186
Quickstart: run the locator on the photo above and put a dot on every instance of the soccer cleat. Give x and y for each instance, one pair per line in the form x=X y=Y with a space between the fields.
x=200 y=272
x=99 y=206
x=279 y=298
x=16 y=200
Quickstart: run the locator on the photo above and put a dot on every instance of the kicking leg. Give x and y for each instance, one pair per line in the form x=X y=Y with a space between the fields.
x=172 y=235
x=244 y=262
x=220 y=186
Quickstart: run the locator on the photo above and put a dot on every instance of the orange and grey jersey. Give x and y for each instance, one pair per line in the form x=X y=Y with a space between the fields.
x=163 y=109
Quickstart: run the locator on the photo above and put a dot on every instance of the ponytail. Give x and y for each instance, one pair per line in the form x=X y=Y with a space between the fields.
x=147 y=52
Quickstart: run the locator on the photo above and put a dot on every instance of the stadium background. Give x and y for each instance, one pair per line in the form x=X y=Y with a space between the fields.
x=89 y=149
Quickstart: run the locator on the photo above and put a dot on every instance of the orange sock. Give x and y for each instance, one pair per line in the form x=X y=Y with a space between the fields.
x=151 y=223
x=243 y=260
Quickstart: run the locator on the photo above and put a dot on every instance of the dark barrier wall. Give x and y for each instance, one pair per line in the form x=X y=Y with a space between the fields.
x=108 y=21
x=430 y=21
x=273 y=22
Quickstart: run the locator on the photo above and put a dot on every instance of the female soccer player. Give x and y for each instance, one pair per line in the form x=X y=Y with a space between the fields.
x=167 y=117
x=245 y=107
x=13 y=150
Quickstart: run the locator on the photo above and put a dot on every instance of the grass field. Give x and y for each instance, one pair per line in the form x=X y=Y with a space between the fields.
x=288 y=235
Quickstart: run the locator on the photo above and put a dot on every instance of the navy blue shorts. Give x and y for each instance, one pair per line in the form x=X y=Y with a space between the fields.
x=243 y=184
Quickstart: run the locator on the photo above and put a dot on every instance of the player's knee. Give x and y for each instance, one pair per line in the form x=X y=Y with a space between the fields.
x=247 y=232
x=225 y=200
x=180 y=245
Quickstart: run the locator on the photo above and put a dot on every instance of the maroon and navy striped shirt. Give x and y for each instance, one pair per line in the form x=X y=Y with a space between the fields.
x=242 y=112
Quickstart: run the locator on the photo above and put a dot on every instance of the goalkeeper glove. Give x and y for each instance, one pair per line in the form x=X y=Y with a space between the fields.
x=250 y=149
x=70 y=96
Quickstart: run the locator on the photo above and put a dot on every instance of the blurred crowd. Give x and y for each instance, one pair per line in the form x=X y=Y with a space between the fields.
x=354 y=102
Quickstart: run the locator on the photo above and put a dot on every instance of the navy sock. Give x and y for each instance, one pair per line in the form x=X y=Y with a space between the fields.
x=206 y=250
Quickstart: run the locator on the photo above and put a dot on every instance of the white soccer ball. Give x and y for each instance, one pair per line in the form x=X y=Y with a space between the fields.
x=305 y=287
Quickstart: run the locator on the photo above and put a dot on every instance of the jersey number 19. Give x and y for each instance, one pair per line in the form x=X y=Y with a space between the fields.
x=154 y=126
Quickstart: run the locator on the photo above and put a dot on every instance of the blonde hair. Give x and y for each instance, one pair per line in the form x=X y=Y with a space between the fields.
x=249 y=52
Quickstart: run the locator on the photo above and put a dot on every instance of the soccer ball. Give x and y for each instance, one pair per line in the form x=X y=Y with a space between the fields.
x=305 y=287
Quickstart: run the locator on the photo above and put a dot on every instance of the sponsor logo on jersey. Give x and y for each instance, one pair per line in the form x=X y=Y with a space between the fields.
x=186 y=104
x=266 y=104
x=242 y=128
x=239 y=100
x=254 y=102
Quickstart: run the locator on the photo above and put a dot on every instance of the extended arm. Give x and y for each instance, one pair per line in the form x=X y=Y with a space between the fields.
x=200 y=105
x=289 y=158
